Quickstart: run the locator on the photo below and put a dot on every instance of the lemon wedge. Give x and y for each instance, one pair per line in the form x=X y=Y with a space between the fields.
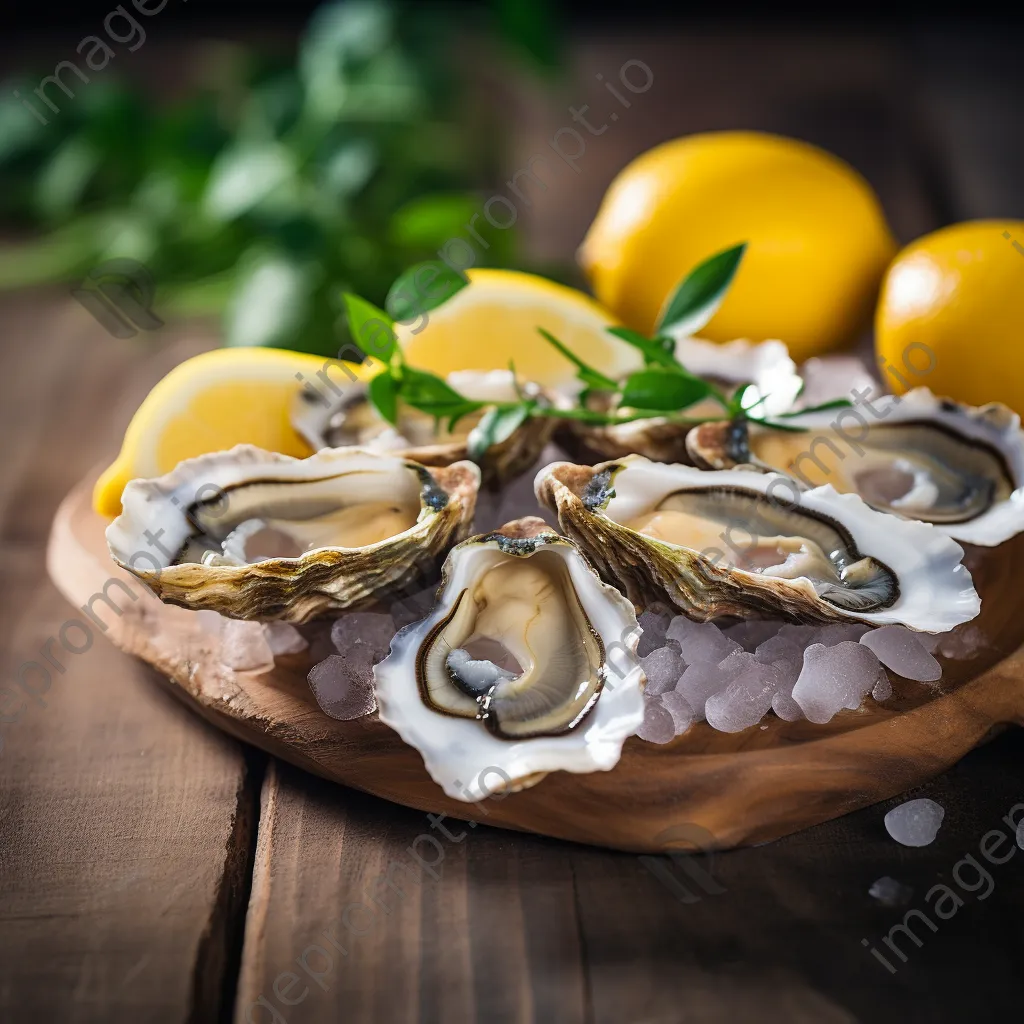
x=494 y=321
x=212 y=402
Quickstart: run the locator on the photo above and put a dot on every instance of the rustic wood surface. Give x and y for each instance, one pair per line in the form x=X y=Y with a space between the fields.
x=130 y=830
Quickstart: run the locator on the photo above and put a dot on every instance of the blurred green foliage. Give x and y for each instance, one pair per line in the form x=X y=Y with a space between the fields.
x=275 y=188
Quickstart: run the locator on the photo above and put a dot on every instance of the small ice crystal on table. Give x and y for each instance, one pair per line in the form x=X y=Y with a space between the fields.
x=889 y=892
x=915 y=823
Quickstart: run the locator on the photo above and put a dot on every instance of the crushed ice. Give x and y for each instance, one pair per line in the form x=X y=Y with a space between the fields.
x=915 y=823
x=732 y=676
x=889 y=892
x=343 y=682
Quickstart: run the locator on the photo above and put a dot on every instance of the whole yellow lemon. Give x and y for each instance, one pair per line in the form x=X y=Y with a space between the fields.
x=818 y=240
x=951 y=314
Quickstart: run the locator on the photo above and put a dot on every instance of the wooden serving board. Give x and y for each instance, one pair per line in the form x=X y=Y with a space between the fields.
x=743 y=788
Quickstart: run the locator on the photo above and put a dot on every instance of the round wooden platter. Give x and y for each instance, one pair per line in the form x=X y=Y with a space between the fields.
x=743 y=788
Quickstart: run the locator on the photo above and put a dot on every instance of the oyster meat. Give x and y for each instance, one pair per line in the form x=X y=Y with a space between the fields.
x=258 y=535
x=767 y=367
x=918 y=456
x=350 y=419
x=751 y=544
x=526 y=665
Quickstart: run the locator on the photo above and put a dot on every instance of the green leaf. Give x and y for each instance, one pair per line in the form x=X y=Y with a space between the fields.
x=587 y=374
x=272 y=302
x=431 y=220
x=244 y=175
x=383 y=391
x=654 y=350
x=701 y=292
x=434 y=395
x=497 y=425
x=421 y=288
x=836 y=403
x=372 y=329
x=667 y=392
x=62 y=183
x=532 y=26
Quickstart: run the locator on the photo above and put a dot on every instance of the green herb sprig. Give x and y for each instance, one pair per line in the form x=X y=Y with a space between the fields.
x=664 y=388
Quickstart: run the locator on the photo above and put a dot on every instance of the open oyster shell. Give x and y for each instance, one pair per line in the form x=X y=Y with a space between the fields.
x=750 y=544
x=766 y=366
x=958 y=467
x=351 y=419
x=257 y=535
x=527 y=665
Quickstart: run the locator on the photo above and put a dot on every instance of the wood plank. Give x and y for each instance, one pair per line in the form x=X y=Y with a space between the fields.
x=481 y=927
x=782 y=942
x=125 y=824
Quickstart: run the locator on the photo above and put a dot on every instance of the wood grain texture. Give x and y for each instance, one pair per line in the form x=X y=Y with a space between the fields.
x=383 y=915
x=124 y=829
x=744 y=788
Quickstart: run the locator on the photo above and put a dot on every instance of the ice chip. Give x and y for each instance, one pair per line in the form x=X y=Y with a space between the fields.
x=244 y=646
x=785 y=707
x=915 y=823
x=837 y=633
x=701 y=681
x=889 y=892
x=658 y=725
x=752 y=633
x=882 y=690
x=663 y=668
x=961 y=643
x=679 y=708
x=700 y=642
x=343 y=683
x=211 y=621
x=654 y=621
x=799 y=635
x=746 y=700
x=283 y=638
x=834 y=678
x=899 y=649
x=375 y=629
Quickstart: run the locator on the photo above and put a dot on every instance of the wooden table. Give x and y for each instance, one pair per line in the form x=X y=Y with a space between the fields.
x=152 y=869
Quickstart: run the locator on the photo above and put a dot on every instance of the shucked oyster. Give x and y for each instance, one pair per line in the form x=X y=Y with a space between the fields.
x=351 y=419
x=527 y=665
x=766 y=366
x=258 y=535
x=955 y=466
x=751 y=544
